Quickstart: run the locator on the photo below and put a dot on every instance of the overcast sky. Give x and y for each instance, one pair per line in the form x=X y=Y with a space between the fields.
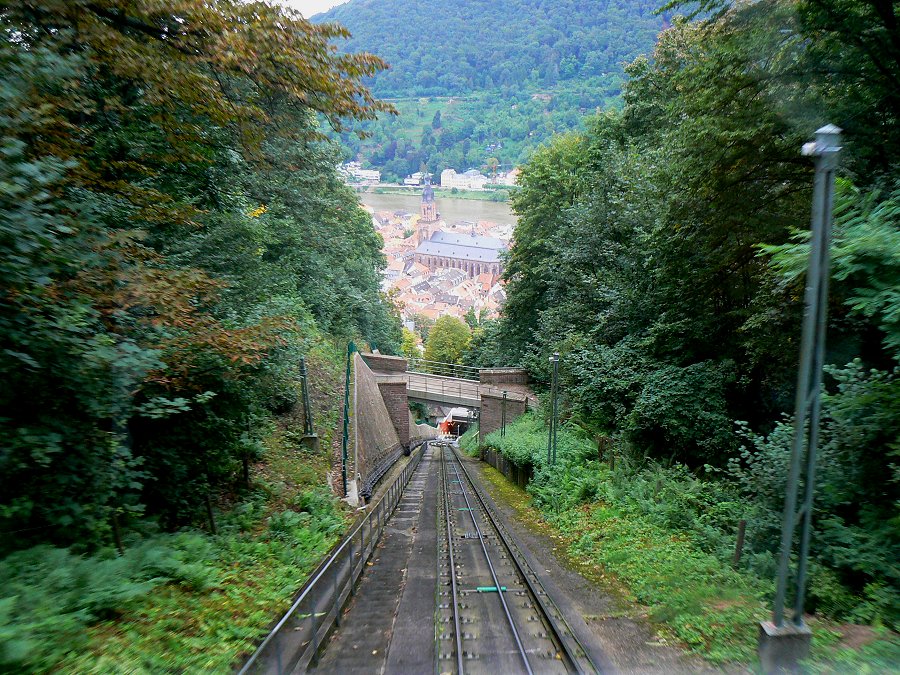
x=310 y=7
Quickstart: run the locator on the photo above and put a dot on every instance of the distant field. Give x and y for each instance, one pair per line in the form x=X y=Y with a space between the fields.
x=506 y=125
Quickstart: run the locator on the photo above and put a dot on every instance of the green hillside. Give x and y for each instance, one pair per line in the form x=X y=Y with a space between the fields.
x=438 y=49
x=504 y=75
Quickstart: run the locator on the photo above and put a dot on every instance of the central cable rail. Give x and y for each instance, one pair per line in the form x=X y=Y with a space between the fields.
x=571 y=652
x=497 y=584
x=454 y=591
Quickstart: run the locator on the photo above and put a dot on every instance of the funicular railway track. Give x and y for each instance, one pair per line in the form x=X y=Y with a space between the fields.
x=442 y=588
x=493 y=616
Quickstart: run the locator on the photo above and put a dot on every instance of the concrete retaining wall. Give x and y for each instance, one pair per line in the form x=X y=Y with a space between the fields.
x=419 y=432
x=375 y=435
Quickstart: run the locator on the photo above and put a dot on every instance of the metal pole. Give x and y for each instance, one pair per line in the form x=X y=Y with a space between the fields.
x=826 y=150
x=555 y=401
x=350 y=349
x=307 y=410
x=826 y=163
x=503 y=416
x=554 y=409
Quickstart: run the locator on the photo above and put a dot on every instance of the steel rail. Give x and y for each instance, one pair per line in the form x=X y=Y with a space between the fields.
x=459 y=643
x=497 y=585
x=567 y=654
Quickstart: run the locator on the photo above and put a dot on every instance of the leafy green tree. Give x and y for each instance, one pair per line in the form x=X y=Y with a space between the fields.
x=492 y=164
x=865 y=260
x=409 y=347
x=856 y=535
x=662 y=252
x=169 y=200
x=447 y=340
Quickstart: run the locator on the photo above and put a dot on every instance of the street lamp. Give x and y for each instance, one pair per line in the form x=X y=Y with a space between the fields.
x=782 y=643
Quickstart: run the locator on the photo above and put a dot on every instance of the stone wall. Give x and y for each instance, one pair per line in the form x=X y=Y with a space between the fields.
x=499 y=376
x=393 y=393
x=519 y=475
x=385 y=364
x=492 y=411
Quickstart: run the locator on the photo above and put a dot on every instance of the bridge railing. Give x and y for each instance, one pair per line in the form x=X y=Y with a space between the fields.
x=424 y=366
x=445 y=389
x=296 y=638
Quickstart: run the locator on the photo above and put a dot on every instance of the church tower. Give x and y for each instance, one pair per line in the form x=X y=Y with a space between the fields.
x=429 y=208
x=428 y=216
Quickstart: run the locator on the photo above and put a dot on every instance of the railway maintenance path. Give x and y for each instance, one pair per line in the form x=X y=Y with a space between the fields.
x=457 y=586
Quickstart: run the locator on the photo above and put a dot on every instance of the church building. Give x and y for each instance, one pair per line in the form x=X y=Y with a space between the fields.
x=472 y=253
x=429 y=219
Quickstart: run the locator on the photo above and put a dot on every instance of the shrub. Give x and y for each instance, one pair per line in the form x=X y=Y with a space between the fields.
x=50 y=595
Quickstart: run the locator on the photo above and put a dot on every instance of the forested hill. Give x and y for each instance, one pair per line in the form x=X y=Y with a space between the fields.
x=484 y=80
x=458 y=47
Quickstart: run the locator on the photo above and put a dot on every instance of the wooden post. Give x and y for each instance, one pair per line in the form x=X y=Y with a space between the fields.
x=210 y=515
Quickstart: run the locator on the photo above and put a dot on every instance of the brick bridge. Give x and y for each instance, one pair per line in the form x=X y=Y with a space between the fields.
x=381 y=426
x=404 y=380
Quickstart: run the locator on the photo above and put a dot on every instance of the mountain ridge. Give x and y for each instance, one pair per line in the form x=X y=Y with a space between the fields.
x=488 y=79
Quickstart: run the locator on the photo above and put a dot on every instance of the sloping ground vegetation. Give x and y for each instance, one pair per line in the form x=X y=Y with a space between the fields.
x=664 y=539
x=173 y=239
x=662 y=252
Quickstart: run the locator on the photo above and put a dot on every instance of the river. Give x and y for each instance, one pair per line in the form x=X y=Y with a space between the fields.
x=451 y=210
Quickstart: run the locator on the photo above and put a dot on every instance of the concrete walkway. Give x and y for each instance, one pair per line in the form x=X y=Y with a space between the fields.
x=388 y=627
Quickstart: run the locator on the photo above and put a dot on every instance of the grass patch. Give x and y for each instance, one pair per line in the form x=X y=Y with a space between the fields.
x=706 y=605
x=662 y=538
x=468 y=442
x=472 y=195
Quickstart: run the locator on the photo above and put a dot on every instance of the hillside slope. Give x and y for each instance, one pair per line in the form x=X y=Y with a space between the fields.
x=456 y=48
x=504 y=75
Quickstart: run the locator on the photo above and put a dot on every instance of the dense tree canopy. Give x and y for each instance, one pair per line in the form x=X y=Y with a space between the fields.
x=501 y=77
x=457 y=48
x=174 y=236
x=662 y=252
x=447 y=340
